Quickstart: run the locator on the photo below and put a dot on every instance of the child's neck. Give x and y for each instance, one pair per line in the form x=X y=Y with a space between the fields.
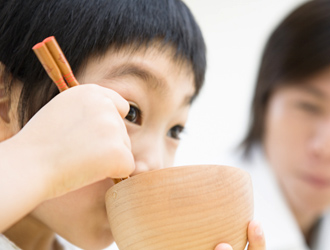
x=30 y=234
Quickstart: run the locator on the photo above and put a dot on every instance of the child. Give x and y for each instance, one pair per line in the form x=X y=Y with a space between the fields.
x=139 y=60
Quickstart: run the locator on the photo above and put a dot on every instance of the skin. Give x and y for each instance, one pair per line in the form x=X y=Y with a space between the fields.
x=70 y=185
x=298 y=121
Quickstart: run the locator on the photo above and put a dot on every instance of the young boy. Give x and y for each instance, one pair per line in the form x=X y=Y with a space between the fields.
x=140 y=64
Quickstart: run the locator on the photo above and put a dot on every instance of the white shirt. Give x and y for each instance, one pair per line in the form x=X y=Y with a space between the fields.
x=6 y=244
x=280 y=227
x=68 y=246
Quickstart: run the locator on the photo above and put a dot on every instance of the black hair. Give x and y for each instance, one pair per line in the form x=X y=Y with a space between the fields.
x=85 y=28
x=298 y=48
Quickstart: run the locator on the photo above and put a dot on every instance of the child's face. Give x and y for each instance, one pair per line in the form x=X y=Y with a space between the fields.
x=160 y=91
x=297 y=142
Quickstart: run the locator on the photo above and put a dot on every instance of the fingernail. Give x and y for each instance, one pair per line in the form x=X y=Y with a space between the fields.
x=258 y=230
x=224 y=247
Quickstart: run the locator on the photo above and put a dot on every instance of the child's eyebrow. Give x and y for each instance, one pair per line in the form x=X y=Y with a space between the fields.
x=152 y=80
x=313 y=91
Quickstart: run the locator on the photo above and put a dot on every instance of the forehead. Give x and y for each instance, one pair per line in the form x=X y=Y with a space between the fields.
x=317 y=85
x=152 y=69
x=144 y=62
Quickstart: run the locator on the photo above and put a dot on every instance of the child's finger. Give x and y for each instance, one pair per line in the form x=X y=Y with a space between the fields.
x=256 y=236
x=223 y=246
x=121 y=104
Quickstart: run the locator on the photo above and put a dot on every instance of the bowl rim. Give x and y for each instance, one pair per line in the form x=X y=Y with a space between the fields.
x=171 y=169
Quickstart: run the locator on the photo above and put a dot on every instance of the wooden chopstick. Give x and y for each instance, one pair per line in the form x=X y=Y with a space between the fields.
x=61 y=60
x=57 y=67
x=55 y=63
x=49 y=64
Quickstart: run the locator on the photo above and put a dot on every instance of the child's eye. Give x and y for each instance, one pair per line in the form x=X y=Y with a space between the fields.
x=175 y=132
x=311 y=108
x=134 y=115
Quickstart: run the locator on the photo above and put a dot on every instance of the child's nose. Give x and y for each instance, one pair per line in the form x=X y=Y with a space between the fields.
x=321 y=140
x=151 y=158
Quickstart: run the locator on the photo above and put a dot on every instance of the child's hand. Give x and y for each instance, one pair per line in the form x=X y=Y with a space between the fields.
x=256 y=238
x=79 y=138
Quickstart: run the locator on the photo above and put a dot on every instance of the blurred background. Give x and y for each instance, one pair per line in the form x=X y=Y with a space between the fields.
x=235 y=32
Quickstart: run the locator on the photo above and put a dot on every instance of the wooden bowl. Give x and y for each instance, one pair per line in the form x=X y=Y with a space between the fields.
x=188 y=207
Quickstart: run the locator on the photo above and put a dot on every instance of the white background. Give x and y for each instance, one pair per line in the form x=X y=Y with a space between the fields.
x=235 y=32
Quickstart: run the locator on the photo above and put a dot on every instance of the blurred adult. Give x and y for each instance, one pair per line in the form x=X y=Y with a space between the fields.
x=287 y=146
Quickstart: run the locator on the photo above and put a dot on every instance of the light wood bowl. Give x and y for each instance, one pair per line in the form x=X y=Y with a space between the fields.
x=188 y=207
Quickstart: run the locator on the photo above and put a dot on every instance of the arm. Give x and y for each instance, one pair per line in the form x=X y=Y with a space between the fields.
x=54 y=152
x=22 y=182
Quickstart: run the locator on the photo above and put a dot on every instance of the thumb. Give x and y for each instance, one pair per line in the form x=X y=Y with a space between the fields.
x=256 y=236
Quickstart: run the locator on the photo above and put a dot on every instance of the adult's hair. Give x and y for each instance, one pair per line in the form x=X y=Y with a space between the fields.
x=297 y=49
x=85 y=28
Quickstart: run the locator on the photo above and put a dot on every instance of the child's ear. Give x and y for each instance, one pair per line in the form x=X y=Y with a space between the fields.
x=4 y=98
x=6 y=123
